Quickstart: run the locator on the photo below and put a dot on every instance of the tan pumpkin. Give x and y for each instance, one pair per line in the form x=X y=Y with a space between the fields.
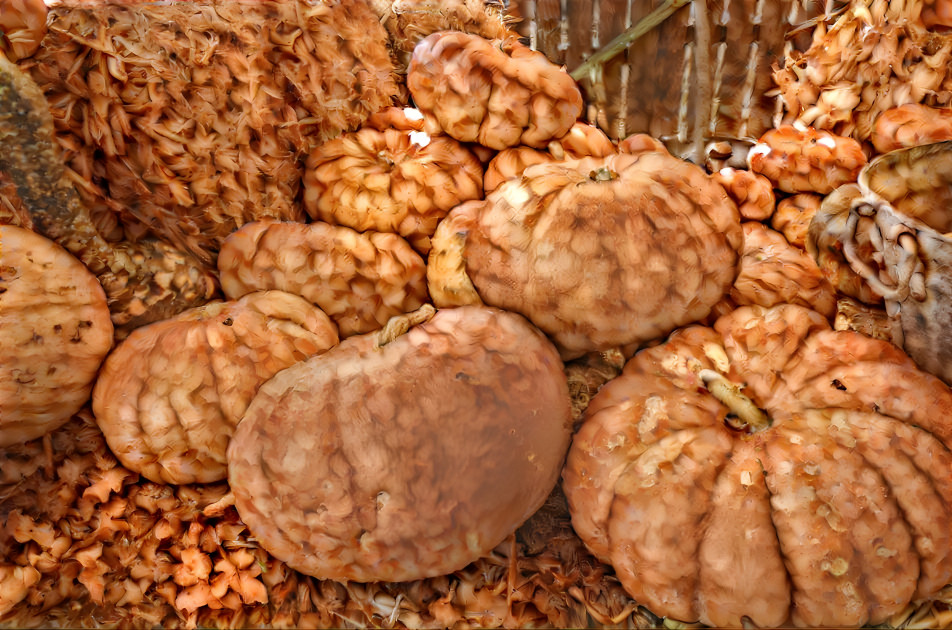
x=170 y=395
x=390 y=179
x=56 y=332
x=395 y=456
x=582 y=140
x=769 y=468
x=499 y=93
x=772 y=271
x=598 y=252
x=359 y=279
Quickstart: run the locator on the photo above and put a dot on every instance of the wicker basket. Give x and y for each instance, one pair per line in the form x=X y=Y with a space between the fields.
x=702 y=76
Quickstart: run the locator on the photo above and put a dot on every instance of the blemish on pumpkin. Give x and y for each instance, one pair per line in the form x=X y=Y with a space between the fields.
x=836 y=568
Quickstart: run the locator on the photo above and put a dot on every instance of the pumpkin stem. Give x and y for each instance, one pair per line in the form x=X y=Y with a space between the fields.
x=750 y=416
x=602 y=174
x=400 y=324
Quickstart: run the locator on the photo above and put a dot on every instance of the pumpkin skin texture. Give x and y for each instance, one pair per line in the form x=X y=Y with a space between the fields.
x=839 y=513
x=404 y=460
x=56 y=332
x=359 y=279
x=170 y=395
x=598 y=253
x=772 y=271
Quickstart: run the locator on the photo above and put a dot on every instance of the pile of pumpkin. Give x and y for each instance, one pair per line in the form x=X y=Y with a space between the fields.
x=382 y=384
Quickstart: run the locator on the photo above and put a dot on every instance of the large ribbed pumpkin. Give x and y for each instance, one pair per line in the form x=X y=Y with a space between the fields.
x=769 y=468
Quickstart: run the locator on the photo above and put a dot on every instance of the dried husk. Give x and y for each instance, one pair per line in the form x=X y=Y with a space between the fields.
x=875 y=56
x=828 y=231
x=188 y=119
x=12 y=211
x=22 y=27
x=144 y=281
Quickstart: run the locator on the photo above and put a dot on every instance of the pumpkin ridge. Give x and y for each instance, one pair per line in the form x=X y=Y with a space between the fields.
x=672 y=555
x=928 y=581
x=758 y=580
x=794 y=506
x=891 y=498
x=845 y=517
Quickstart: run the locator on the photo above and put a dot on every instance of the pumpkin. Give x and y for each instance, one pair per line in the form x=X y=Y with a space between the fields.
x=772 y=271
x=170 y=395
x=392 y=179
x=799 y=160
x=752 y=193
x=597 y=253
x=582 y=140
x=359 y=279
x=56 y=333
x=399 y=456
x=793 y=216
x=498 y=93
x=768 y=468
x=911 y=125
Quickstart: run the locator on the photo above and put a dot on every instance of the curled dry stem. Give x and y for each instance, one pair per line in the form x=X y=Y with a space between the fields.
x=729 y=393
x=909 y=280
x=400 y=324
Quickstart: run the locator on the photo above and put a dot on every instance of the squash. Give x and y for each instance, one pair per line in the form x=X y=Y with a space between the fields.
x=498 y=93
x=768 y=468
x=598 y=253
x=56 y=333
x=359 y=279
x=170 y=395
x=406 y=453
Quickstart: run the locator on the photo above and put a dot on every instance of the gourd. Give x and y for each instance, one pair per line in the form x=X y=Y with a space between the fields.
x=768 y=468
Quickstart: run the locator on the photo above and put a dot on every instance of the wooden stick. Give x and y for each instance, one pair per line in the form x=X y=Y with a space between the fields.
x=665 y=10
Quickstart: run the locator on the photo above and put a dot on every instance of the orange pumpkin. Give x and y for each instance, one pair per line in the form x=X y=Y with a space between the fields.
x=769 y=468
